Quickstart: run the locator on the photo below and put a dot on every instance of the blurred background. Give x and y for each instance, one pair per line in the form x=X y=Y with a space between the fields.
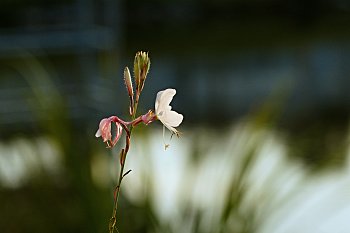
x=263 y=86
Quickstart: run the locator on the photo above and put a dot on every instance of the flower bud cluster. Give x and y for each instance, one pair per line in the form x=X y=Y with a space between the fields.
x=141 y=67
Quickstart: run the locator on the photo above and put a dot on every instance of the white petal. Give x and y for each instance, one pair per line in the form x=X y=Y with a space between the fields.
x=163 y=100
x=157 y=103
x=172 y=118
x=98 y=133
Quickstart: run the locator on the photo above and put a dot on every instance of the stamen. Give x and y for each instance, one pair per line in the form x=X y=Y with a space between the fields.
x=165 y=145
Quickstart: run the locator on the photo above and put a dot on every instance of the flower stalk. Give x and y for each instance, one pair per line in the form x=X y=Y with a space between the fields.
x=162 y=112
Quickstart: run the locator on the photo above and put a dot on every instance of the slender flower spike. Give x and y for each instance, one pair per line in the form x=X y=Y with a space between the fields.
x=169 y=118
x=104 y=131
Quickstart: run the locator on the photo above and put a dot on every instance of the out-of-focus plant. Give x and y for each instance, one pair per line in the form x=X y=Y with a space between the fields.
x=163 y=112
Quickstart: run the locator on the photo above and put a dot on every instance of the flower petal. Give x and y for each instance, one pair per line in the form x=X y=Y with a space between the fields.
x=98 y=133
x=171 y=118
x=163 y=100
x=104 y=129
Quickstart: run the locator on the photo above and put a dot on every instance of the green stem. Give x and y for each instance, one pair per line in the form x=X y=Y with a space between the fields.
x=135 y=109
x=117 y=191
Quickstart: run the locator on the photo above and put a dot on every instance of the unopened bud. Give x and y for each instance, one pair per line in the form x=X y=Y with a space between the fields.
x=128 y=83
x=141 y=67
x=130 y=89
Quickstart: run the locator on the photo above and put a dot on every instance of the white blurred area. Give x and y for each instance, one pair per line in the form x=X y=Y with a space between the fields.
x=282 y=195
x=23 y=159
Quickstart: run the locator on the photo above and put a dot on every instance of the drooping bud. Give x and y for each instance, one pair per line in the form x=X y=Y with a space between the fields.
x=130 y=89
x=105 y=131
x=141 y=67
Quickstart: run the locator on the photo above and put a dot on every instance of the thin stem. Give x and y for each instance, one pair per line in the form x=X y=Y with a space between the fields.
x=116 y=197
x=113 y=220
x=135 y=109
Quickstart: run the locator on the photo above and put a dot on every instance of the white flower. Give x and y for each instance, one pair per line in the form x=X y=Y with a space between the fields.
x=169 y=118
